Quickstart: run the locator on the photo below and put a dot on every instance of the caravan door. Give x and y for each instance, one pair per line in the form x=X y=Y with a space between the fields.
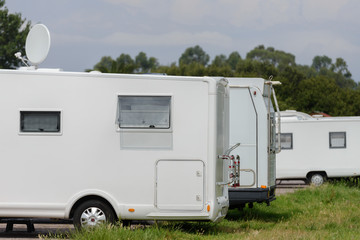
x=243 y=129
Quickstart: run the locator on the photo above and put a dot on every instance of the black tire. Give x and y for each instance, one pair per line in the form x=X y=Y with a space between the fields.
x=317 y=179
x=126 y=223
x=93 y=213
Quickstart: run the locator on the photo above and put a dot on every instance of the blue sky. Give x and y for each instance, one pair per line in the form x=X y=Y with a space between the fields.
x=84 y=31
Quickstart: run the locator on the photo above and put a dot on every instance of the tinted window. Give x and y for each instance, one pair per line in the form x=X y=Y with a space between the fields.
x=286 y=140
x=144 y=112
x=33 y=121
x=337 y=139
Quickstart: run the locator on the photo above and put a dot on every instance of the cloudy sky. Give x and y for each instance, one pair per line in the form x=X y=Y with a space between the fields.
x=84 y=31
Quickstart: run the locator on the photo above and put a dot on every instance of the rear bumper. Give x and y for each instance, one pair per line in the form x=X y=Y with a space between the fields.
x=223 y=204
x=238 y=197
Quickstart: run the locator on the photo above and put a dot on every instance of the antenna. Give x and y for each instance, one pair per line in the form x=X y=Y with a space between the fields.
x=37 y=44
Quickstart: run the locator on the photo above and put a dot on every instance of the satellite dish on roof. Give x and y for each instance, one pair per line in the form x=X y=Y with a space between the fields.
x=37 y=44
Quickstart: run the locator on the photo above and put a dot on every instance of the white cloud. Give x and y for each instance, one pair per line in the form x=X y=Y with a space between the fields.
x=190 y=12
x=256 y=14
x=143 y=40
x=134 y=3
x=321 y=42
x=167 y=39
x=145 y=6
x=69 y=39
x=321 y=10
x=240 y=13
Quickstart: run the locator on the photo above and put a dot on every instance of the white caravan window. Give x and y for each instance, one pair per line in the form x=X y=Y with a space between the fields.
x=286 y=140
x=40 y=121
x=144 y=112
x=337 y=139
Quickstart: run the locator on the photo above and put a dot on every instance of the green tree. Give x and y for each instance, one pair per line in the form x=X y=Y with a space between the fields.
x=125 y=64
x=169 y=70
x=307 y=71
x=251 y=68
x=106 y=65
x=192 y=69
x=153 y=63
x=339 y=71
x=233 y=60
x=342 y=74
x=321 y=62
x=288 y=91
x=353 y=101
x=321 y=94
x=219 y=61
x=194 y=55
x=340 y=66
x=13 y=33
x=145 y=64
x=279 y=59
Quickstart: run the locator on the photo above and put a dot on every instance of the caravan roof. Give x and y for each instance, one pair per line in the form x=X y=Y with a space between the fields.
x=295 y=116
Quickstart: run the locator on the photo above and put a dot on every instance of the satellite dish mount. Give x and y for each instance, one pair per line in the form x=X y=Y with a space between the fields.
x=37 y=46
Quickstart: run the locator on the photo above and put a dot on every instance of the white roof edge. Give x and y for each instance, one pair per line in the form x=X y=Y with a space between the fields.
x=247 y=82
x=59 y=72
x=295 y=114
x=32 y=68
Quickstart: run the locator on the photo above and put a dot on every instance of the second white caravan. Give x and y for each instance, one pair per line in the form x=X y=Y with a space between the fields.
x=93 y=147
x=252 y=124
x=317 y=148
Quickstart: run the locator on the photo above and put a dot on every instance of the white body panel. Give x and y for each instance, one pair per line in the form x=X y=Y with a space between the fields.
x=249 y=127
x=311 y=151
x=247 y=119
x=160 y=173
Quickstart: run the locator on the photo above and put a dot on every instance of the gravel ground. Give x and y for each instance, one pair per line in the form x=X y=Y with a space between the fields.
x=20 y=231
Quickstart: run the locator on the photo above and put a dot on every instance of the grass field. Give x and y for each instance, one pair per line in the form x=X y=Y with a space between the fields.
x=328 y=212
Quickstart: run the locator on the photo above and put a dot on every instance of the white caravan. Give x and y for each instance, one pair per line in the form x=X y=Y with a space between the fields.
x=317 y=148
x=93 y=147
x=252 y=124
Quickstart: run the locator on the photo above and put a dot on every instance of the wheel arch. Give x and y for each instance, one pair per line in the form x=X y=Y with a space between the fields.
x=86 y=196
x=322 y=172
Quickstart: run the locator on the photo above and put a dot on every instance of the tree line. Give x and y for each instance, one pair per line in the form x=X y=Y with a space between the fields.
x=324 y=86
x=13 y=33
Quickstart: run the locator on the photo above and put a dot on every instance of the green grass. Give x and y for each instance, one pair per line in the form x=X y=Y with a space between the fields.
x=328 y=212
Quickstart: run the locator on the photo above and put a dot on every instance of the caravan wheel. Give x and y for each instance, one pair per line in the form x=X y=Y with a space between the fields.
x=317 y=179
x=93 y=213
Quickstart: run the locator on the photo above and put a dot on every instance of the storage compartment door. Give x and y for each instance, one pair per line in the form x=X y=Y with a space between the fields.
x=180 y=185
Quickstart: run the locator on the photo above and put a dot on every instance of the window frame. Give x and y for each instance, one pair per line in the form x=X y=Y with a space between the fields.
x=45 y=133
x=291 y=143
x=337 y=147
x=144 y=129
